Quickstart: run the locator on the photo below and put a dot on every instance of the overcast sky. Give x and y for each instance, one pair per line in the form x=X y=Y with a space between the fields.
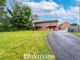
x=62 y=10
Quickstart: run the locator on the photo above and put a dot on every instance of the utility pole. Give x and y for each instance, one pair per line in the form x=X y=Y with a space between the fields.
x=78 y=21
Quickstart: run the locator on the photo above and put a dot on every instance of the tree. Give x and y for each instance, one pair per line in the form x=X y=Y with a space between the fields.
x=2 y=13
x=21 y=17
x=34 y=17
x=2 y=4
x=5 y=24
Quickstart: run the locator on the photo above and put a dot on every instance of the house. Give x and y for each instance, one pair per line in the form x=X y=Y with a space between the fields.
x=46 y=25
x=50 y=25
x=64 y=26
x=74 y=28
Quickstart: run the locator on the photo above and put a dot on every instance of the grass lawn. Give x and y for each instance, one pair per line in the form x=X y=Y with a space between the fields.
x=77 y=33
x=13 y=45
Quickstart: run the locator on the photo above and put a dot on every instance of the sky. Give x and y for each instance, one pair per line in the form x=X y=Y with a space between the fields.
x=62 y=10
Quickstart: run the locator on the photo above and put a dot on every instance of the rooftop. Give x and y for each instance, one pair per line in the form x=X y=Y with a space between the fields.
x=36 y=22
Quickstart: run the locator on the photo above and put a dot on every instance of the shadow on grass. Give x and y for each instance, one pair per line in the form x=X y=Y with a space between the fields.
x=16 y=30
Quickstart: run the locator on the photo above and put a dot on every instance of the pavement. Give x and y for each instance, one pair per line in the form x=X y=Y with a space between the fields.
x=65 y=46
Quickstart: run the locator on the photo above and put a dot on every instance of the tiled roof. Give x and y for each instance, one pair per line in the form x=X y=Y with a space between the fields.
x=45 y=21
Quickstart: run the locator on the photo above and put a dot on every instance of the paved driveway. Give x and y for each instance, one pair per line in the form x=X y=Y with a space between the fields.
x=64 y=45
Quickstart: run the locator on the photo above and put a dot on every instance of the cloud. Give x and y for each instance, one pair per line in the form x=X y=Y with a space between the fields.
x=44 y=5
x=42 y=8
x=70 y=14
x=52 y=9
x=78 y=0
x=74 y=13
x=17 y=0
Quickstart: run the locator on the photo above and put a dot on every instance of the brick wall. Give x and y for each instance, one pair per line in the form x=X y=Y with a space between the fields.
x=46 y=26
x=64 y=26
x=51 y=25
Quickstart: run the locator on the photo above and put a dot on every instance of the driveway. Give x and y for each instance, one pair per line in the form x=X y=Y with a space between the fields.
x=65 y=46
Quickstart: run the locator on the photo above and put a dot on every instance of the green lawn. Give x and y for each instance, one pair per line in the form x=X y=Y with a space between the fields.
x=13 y=45
x=77 y=33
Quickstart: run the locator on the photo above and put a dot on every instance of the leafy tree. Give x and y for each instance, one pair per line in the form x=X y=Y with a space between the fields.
x=34 y=17
x=5 y=24
x=2 y=4
x=2 y=13
x=21 y=17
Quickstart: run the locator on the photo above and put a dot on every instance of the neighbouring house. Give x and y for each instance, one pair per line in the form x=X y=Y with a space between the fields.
x=50 y=25
x=46 y=25
x=64 y=26
x=74 y=28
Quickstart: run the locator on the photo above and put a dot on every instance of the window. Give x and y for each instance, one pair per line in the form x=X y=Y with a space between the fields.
x=38 y=27
x=50 y=27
